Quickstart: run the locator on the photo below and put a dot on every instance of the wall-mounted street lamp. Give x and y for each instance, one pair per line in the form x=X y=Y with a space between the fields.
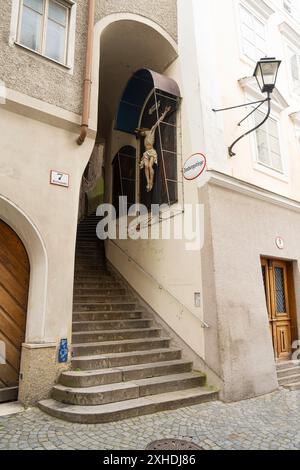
x=265 y=72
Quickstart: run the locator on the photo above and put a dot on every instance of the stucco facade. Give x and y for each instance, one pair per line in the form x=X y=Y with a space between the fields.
x=165 y=16
x=245 y=206
x=43 y=109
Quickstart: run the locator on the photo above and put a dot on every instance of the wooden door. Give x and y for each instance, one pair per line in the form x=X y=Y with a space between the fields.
x=279 y=293
x=14 y=281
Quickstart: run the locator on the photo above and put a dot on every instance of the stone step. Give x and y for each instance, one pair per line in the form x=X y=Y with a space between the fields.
x=90 y=265
x=94 y=278
x=99 y=273
x=90 y=254
x=101 y=291
x=293 y=386
x=94 y=281
x=89 y=299
x=87 y=238
x=289 y=379
x=287 y=365
x=129 y=408
x=110 y=325
x=87 y=349
x=108 y=315
x=289 y=371
x=116 y=392
x=104 y=307
x=92 y=251
x=114 y=335
x=111 y=360
x=89 y=262
x=89 y=249
x=88 y=231
x=91 y=378
x=90 y=268
x=94 y=284
x=92 y=247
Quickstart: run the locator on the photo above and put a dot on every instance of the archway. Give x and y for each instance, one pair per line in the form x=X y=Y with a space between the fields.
x=14 y=285
x=26 y=230
x=127 y=43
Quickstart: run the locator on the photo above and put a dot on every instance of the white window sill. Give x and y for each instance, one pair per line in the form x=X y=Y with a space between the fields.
x=261 y=168
x=247 y=60
x=60 y=64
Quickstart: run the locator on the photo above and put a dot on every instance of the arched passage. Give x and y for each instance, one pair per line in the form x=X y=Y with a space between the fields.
x=20 y=223
x=14 y=284
x=124 y=43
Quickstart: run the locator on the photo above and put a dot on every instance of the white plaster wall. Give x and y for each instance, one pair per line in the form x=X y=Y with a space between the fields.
x=164 y=273
x=246 y=351
x=221 y=65
x=29 y=150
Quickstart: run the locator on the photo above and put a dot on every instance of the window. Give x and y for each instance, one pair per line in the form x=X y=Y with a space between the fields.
x=292 y=7
x=268 y=144
x=124 y=176
x=165 y=189
x=44 y=27
x=294 y=65
x=253 y=35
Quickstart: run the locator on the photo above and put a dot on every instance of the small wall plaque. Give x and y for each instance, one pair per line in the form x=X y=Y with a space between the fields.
x=197 y=299
x=63 y=351
x=59 y=179
x=280 y=243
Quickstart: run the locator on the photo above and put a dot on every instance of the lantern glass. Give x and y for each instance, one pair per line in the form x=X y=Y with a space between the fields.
x=266 y=74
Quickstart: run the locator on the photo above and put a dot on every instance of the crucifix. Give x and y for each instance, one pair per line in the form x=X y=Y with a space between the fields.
x=149 y=157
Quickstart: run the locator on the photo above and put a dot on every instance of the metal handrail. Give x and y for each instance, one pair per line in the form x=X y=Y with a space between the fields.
x=160 y=286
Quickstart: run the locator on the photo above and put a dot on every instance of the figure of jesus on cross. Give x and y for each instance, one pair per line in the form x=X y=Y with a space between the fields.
x=149 y=157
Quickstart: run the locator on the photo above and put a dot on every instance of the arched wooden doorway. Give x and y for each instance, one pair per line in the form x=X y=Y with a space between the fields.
x=14 y=282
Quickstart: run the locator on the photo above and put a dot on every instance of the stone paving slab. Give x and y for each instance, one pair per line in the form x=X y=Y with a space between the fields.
x=268 y=422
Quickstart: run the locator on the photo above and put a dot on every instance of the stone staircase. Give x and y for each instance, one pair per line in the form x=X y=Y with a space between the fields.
x=122 y=364
x=288 y=374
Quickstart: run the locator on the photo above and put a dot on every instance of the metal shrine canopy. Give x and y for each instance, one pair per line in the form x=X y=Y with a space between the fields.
x=135 y=94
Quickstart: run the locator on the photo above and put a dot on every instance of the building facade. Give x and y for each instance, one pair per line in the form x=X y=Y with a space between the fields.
x=233 y=305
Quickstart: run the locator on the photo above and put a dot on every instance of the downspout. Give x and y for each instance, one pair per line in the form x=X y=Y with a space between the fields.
x=88 y=75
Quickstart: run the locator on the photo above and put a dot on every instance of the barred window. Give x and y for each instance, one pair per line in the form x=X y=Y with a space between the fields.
x=124 y=176
x=165 y=189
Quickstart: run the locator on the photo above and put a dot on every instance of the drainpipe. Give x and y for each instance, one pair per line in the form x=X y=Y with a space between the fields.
x=88 y=75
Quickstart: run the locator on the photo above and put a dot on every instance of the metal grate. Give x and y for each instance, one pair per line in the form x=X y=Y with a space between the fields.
x=280 y=294
x=173 y=444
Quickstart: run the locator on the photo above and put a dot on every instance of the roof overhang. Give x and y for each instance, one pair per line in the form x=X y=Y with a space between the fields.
x=135 y=94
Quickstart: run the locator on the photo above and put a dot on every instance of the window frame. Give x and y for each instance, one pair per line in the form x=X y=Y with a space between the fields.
x=267 y=132
x=257 y=164
x=116 y=161
x=70 y=6
x=139 y=155
x=290 y=50
x=294 y=17
x=262 y=13
x=242 y=38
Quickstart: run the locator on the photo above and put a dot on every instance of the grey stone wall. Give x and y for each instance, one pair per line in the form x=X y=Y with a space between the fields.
x=162 y=12
x=28 y=73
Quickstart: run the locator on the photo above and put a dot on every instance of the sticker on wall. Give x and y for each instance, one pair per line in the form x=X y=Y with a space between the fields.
x=279 y=243
x=194 y=166
x=63 y=351
x=59 y=179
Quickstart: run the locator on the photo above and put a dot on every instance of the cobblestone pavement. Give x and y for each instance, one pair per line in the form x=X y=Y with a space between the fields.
x=268 y=422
